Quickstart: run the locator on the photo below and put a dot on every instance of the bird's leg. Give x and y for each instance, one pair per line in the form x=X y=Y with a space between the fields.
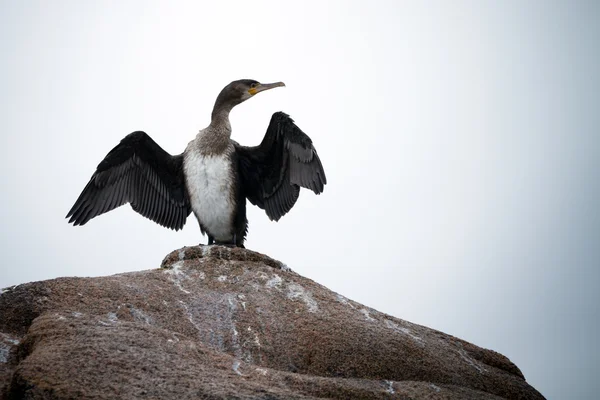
x=211 y=240
x=228 y=244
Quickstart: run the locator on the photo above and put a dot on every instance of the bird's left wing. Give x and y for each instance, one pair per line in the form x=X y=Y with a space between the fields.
x=273 y=172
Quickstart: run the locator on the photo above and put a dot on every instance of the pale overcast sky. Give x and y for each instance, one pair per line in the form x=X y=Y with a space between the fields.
x=461 y=142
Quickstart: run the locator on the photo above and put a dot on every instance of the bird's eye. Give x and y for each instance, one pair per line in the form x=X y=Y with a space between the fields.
x=255 y=84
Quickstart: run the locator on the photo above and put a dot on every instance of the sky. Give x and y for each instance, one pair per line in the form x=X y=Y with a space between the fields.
x=461 y=142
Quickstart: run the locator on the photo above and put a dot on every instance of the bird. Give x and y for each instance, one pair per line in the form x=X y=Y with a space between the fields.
x=213 y=177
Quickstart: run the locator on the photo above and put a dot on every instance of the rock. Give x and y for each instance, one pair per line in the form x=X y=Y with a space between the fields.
x=221 y=323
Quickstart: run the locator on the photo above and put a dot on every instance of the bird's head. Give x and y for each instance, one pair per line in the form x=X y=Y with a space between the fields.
x=239 y=91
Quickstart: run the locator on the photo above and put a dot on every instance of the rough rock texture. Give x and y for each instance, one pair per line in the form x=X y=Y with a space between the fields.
x=220 y=323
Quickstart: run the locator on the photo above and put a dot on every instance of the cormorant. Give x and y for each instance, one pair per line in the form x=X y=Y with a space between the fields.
x=213 y=177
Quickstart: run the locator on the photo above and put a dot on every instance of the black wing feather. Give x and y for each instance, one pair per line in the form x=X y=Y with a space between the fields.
x=137 y=171
x=273 y=172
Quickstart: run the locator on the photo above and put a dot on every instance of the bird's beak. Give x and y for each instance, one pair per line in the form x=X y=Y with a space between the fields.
x=264 y=86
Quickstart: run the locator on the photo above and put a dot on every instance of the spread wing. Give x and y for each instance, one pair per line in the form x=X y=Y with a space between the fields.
x=137 y=171
x=273 y=172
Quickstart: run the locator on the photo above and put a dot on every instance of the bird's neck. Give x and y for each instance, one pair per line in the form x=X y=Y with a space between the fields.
x=220 y=119
x=220 y=114
x=215 y=138
x=219 y=122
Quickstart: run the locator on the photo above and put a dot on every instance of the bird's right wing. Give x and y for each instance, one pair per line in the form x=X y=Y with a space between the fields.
x=140 y=172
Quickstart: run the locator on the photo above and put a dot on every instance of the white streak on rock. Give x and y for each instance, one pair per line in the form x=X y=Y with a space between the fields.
x=368 y=317
x=6 y=342
x=390 y=387
x=234 y=340
x=112 y=317
x=222 y=278
x=231 y=302
x=400 y=329
x=177 y=275
x=236 y=367
x=242 y=297
x=344 y=300
x=434 y=387
x=285 y=268
x=261 y=371
x=8 y=289
x=4 y=351
x=274 y=282
x=175 y=269
x=76 y=314
x=296 y=291
x=189 y=316
x=470 y=361
x=262 y=275
x=139 y=315
x=181 y=254
x=9 y=339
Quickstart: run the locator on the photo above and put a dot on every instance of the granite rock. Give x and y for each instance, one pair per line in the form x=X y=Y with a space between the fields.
x=221 y=323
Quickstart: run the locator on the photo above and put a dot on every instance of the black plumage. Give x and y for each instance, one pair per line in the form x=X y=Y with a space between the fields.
x=273 y=172
x=138 y=171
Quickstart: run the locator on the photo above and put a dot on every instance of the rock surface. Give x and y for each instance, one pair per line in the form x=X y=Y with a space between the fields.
x=221 y=323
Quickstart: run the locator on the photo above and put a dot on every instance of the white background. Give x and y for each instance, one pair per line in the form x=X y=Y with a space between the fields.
x=460 y=140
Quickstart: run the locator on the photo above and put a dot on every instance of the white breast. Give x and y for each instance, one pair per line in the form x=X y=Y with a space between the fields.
x=210 y=187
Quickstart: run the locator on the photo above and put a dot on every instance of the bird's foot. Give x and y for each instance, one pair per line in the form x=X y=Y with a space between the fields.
x=231 y=244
